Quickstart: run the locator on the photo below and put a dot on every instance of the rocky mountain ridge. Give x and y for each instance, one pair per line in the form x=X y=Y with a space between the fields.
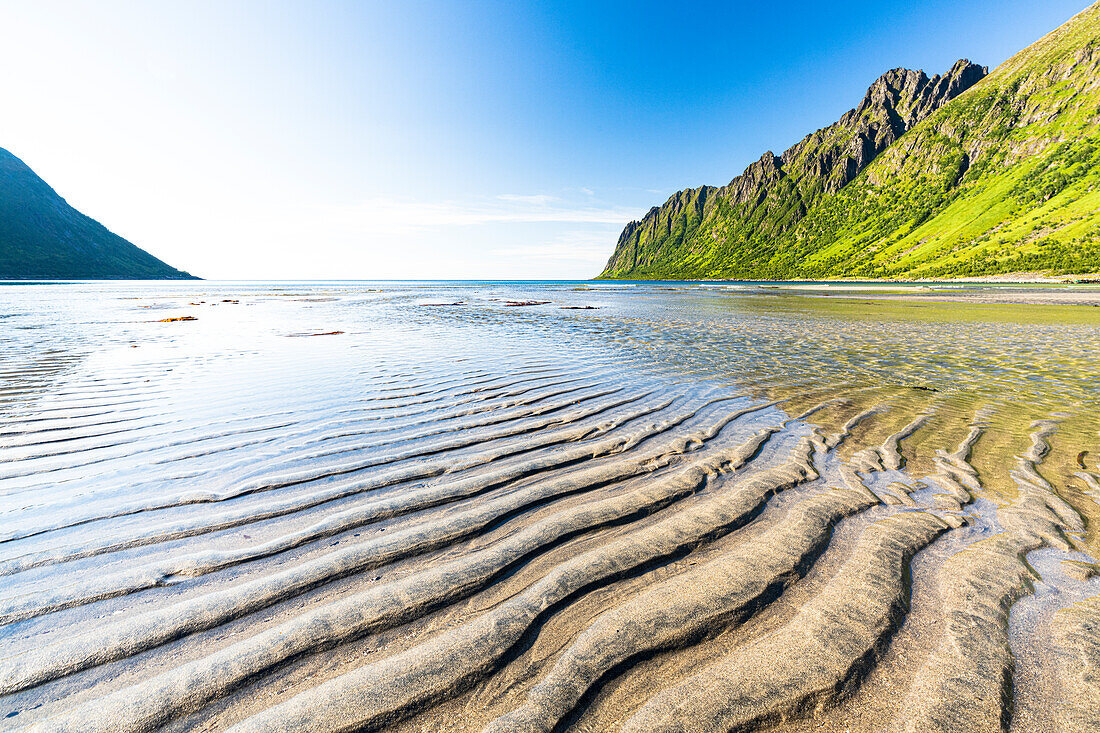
x=839 y=202
x=775 y=192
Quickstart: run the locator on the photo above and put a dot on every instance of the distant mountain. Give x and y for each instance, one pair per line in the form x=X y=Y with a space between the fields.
x=43 y=238
x=960 y=175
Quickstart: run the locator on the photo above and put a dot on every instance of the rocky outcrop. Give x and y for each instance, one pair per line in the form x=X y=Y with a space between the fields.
x=775 y=192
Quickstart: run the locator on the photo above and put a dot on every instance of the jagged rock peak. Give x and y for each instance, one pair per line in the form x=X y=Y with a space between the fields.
x=913 y=95
x=747 y=186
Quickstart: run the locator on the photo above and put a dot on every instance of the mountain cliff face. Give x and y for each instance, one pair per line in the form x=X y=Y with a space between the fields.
x=925 y=177
x=694 y=228
x=43 y=238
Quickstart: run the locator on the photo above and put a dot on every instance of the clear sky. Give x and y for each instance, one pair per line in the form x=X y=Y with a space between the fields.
x=464 y=139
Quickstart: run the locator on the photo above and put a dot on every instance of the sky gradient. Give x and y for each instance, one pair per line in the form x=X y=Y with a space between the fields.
x=409 y=140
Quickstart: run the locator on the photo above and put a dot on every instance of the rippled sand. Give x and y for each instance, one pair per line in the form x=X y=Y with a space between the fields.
x=433 y=507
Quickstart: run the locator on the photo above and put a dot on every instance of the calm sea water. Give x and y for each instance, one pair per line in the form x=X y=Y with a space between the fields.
x=751 y=335
x=255 y=346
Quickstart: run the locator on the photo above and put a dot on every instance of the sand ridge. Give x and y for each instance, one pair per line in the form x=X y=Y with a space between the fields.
x=520 y=538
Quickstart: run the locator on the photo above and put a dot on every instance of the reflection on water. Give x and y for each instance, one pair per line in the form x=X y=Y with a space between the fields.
x=1038 y=354
x=1003 y=365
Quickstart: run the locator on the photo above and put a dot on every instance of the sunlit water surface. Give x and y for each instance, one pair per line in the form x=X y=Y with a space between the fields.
x=115 y=421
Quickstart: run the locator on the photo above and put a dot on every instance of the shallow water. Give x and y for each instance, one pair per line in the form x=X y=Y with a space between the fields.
x=172 y=491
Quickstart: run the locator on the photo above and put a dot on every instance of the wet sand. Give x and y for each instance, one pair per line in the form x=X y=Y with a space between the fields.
x=966 y=293
x=420 y=508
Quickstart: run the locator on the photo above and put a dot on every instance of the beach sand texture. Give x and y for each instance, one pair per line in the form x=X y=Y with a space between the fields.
x=545 y=507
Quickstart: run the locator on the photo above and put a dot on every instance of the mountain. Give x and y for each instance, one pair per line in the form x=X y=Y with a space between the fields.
x=964 y=174
x=43 y=238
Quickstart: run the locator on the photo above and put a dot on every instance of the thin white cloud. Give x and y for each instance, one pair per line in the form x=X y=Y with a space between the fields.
x=539 y=199
x=579 y=246
x=392 y=216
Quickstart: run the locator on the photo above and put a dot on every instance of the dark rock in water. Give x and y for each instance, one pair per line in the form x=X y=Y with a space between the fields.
x=43 y=238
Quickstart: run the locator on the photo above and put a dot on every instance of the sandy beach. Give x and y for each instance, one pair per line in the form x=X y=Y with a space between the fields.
x=544 y=507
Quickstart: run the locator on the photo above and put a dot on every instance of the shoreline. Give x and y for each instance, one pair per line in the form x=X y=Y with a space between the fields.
x=1012 y=278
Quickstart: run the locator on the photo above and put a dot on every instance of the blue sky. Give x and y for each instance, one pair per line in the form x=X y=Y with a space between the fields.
x=439 y=139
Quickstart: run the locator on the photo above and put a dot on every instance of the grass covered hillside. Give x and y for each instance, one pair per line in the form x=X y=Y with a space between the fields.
x=43 y=238
x=998 y=177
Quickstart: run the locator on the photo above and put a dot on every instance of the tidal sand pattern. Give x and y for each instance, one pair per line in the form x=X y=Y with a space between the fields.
x=464 y=507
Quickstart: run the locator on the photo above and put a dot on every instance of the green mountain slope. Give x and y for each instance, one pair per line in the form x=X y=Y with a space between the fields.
x=991 y=175
x=42 y=237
